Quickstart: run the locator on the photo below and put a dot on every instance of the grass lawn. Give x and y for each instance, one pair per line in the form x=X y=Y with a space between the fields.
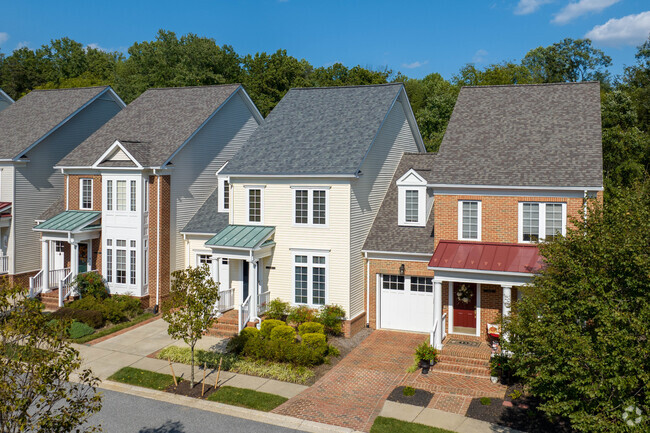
x=107 y=331
x=144 y=378
x=247 y=398
x=392 y=425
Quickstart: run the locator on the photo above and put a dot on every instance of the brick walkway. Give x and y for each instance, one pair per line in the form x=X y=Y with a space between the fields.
x=353 y=392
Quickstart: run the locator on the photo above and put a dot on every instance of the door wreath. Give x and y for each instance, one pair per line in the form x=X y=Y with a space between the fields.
x=464 y=294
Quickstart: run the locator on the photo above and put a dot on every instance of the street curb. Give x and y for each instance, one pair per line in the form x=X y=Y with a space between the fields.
x=225 y=409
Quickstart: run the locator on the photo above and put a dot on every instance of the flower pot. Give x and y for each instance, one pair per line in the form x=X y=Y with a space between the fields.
x=494 y=379
x=424 y=364
x=425 y=370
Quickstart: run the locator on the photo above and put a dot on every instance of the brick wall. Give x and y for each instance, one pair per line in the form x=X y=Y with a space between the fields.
x=164 y=183
x=352 y=326
x=72 y=180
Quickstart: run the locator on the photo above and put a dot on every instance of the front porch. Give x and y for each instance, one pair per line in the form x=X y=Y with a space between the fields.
x=5 y=230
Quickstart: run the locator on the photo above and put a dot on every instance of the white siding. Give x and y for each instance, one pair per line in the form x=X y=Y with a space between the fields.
x=38 y=185
x=194 y=176
x=394 y=138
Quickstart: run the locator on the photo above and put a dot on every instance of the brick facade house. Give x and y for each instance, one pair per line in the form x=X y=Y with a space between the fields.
x=455 y=238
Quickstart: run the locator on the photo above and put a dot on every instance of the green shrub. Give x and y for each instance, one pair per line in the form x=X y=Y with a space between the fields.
x=283 y=333
x=267 y=326
x=408 y=391
x=280 y=350
x=115 y=309
x=311 y=328
x=130 y=305
x=485 y=401
x=91 y=318
x=333 y=351
x=277 y=310
x=301 y=314
x=90 y=284
x=80 y=329
x=237 y=343
x=331 y=316
x=211 y=359
x=424 y=352
x=317 y=342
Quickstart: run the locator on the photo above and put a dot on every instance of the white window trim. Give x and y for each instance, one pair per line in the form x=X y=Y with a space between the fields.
x=450 y=309
x=310 y=206
x=407 y=284
x=412 y=181
x=310 y=265
x=221 y=180
x=248 y=204
x=479 y=222
x=542 y=220
x=81 y=193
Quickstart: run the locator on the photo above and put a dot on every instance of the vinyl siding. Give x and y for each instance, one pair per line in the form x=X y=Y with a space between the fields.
x=194 y=178
x=279 y=212
x=38 y=185
x=367 y=192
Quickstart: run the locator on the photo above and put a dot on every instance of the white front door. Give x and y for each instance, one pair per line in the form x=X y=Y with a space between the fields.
x=224 y=274
x=406 y=303
x=59 y=255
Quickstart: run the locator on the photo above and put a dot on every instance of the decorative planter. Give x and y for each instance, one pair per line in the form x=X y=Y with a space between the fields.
x=494 y=379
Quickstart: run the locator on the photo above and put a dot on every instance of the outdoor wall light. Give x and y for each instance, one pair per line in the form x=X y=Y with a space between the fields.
x=401 y=269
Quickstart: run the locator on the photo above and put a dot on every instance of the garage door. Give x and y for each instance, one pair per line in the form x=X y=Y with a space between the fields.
x=406 y=303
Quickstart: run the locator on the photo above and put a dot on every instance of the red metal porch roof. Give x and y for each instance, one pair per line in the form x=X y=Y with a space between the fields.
x=4 y=207
x=486 y=256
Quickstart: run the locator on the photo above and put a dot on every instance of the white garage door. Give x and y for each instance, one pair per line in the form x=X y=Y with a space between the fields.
x=406 y=303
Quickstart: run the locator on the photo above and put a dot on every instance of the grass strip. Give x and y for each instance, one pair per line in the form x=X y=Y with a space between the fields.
x=247 y=398
x=144 y=378
x=392 y=425
x=112 y=329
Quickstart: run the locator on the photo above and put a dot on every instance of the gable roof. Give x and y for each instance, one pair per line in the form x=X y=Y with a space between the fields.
x=385 y=234
x=542 y=135
x=39 y=113
x=154 y=126
x=208 y=219
x=319 y=131
x=55 y=208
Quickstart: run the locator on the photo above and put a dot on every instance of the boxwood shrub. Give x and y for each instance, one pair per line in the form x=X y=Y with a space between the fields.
x=267 y=326
x=283 y=333
x=311 y=328
x=92 y=318
x=315 y=341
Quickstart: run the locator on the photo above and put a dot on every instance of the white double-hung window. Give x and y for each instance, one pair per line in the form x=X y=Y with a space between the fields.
x=310 y=206
x=412 y=200
x=469 y=220
x=86 y=194
x=541 y=221
x=255 y=199
x=311 y=277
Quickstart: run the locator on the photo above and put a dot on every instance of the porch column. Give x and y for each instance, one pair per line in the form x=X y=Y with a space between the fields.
x=214 y=268
x=505 y=312
x=437 y=314
x=252 y=286
x=45 y=261
x=74 y=259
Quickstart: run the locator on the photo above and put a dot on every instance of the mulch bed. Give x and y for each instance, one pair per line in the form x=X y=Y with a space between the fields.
x=184 y=388
x=345 y=346
x=421 y=397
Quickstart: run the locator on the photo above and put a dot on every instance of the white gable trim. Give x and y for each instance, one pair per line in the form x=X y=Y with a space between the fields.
x=115 y=146
x=412 y=177
x=408 y=110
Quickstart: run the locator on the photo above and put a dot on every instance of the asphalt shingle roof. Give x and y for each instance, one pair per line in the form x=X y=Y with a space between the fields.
x=34 y=115
x=56 y=208
x=524 y=135
x=316 y=131
x=208 y=219
x=241 y=236
x=153 y=126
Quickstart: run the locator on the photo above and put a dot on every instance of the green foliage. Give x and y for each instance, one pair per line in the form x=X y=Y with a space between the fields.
x=283 y=333
x=317 y=342
x=424 y=352
x=408 y=391
x=247 y=398
x=277 y=310
x=281 y=350
x=330 y=316
x=90 y=284
x=311 y=328
x=301 y=314
x=267 y=326
x=36 y=368
x=92 y=318
x=188 y=311
x=485 y=401
x=578 y=336
x=107 y=331
x=79 y=329
x=392 y=425
x=211 y=359
x=115 y=309
x=514 y=395
x=236 y=344
x=144 y=378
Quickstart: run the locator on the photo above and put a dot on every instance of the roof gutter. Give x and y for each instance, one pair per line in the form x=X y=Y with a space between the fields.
x=294 y=175
x=550 y=188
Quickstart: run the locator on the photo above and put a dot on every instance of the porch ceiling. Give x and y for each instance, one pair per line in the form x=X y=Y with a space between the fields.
x=69 y=221
x=241 y=236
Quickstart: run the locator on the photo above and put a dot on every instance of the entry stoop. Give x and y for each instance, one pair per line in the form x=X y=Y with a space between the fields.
x=227 y=325
x=50 y=300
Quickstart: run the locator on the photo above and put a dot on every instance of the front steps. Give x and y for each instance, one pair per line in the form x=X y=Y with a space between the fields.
x=50 y=300
x=227 y=325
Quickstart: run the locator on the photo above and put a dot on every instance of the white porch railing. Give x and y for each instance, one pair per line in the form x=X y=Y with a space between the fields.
x=4 y=264
x=226 y=300
x=65 y=288
x=443 y=331
x=245 y=313
x=36 y=284
x=263 y=302
x=444 y=327
x=57 y=275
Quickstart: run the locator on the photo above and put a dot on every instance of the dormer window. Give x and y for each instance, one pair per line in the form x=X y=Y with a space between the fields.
x=412 y=199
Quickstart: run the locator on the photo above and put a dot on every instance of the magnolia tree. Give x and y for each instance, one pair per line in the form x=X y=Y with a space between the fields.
x=189 y=311
x=36 y=365
x=579 y=336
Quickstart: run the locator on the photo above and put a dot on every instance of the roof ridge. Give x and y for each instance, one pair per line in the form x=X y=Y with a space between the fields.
x=564 y=83
x=352 y=86
x=193 y=87
x=71 y=88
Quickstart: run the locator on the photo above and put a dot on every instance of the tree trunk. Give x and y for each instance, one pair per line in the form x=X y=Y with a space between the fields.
x=192 y=374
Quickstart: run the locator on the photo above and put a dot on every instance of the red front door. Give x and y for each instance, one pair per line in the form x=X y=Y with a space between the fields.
x=465 y=305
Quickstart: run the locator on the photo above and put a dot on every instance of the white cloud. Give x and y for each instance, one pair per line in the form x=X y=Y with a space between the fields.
x=525 y=7
x=22 y=44
x=414 y=64
x=629 y=30
x=95 y=46
x=479 y=56
x=581 y=7
x=4 y=37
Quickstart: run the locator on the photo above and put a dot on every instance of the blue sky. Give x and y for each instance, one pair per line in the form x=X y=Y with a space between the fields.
x=415 y=37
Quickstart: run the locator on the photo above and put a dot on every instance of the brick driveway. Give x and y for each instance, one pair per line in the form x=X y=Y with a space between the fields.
x=353 y=392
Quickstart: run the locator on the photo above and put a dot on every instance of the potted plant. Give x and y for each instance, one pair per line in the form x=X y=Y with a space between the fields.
x=426 y=356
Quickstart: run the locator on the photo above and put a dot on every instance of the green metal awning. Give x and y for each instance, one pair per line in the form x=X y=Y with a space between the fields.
x=242 y=237
x=70 y=221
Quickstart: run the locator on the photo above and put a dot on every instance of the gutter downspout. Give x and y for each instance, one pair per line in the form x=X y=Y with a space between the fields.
x=367 y=290
x=158 y=245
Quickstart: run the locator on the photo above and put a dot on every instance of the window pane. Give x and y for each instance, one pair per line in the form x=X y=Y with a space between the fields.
x=301 y=259
x=109 y=195
x=120 y=243
x=411 y=206
x=120 y=266
x=205 y=259
x=470 y=220
x=133 y=195
x=302 y=206
x=226 y=194
x=301 y=284
x=319 y=210
x=254 y=205
x=421 y=284
x=86 y=193
x=133 y=267
x=553 y=220
x=530 y=227
x=145 y=263
x=121 y=195
x=318 y=281
x=393 y=282
x=109 y=265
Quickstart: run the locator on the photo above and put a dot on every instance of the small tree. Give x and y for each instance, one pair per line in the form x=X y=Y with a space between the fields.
x=189 y=310
x=579 y=336
x=36 y=363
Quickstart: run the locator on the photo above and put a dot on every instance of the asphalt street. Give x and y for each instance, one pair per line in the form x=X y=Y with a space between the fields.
x=127 y=413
